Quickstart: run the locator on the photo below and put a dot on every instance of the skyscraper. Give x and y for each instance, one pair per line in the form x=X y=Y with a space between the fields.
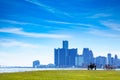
x=65 y=44
x=72 y=53
x=87 y=56
x=64 y=57
x=56 y=57
x=116 y=60
x=109 y=59
x=60 y=57
x=79 y=61
x=91 y=56
x=116 y=57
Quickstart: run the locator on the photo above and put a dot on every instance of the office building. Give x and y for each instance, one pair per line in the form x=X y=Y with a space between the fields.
x=79 y=61
x=100 y=61
x=64 y=57
x=65 y=44
x=109 y=59
x=87 y=57
x=36 y=64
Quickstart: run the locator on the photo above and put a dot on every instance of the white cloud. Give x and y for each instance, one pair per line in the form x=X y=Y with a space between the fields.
x=111 y=24
x=58 y=22
x=99 y=15
x=48 y=8
x=14 y=43
x=42 y=5
x=102 y=33
x=70 y=23
x=18 y=22
x=19 y=31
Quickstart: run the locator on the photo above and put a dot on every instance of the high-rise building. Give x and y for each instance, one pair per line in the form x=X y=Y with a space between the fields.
x=109 y=59
x=100 y=61
x=72 y=53
x=79 y=61
x=116 y=57
x=87 y=57
x=116 y=60
x=64 y=57
x=65 y=44
x=61 y=57
x=91 y=56
x=56 y=57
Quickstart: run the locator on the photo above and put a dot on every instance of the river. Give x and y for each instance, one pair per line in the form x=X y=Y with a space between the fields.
x=11 y=70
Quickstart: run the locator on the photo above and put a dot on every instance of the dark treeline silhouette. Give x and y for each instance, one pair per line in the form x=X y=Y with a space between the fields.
x=109 y=67
x=92 y=66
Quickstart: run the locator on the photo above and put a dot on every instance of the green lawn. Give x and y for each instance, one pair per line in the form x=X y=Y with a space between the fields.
x=62 y=75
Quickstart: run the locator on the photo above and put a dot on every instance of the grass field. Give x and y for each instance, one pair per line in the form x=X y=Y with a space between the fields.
x=62 y=75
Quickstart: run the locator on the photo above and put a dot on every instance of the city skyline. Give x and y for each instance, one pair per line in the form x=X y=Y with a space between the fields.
x=65 y=57
x=31 y=29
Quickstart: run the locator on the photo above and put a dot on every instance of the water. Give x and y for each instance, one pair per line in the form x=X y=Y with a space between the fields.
x=11 y=70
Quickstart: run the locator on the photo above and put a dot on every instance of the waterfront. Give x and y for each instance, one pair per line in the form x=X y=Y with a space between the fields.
x=11 y=70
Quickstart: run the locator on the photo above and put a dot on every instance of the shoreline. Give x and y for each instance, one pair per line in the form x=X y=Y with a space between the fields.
x=13 y=70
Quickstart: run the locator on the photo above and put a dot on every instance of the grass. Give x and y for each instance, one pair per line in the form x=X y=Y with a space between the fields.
x=62 y=75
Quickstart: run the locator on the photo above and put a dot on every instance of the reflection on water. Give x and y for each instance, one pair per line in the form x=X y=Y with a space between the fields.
x=9 y=70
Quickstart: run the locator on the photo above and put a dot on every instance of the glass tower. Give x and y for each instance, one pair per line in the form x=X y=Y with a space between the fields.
x=65 y=44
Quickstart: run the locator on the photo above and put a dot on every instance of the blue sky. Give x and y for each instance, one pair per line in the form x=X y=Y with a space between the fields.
x=31 y=29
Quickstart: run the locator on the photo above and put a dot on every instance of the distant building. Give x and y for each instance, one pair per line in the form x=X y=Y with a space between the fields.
x=116 y=60
x=36 y=64
x=87 y=57
x=64 y=57
x=65 y=44
x=72 y=53
x=59 y=57
x=116 y=57
x=50 y=65
x=109 y=59
x=112 y=61
x=100 y=61
x=79 y=61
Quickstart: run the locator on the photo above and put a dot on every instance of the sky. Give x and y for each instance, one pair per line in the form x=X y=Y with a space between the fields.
x=31 y=29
